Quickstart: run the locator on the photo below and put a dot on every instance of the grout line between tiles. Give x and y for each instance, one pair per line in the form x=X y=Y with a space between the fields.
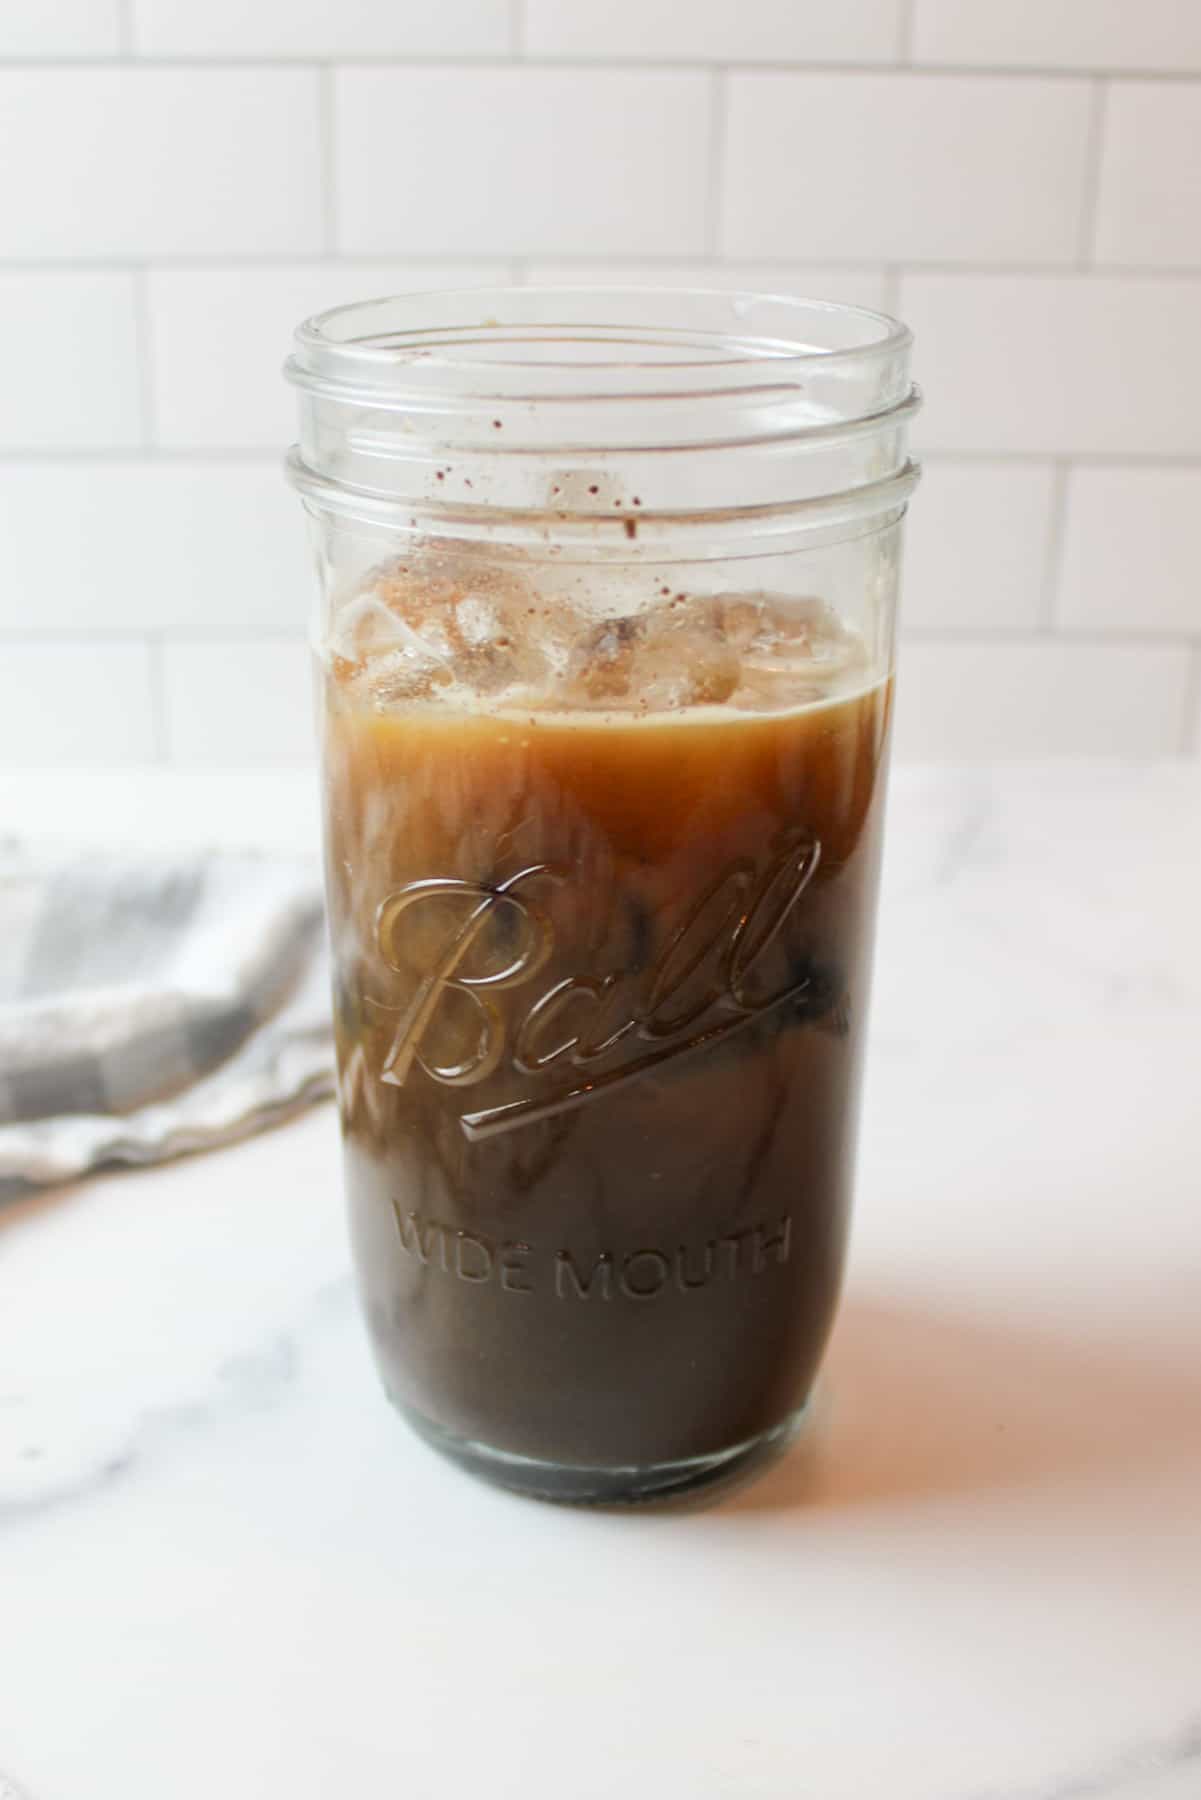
x=143 y=326
x=160 y=736
x=888 y=65
x=326 y=126
x=1190 y=725
x=906 y=20
x=719 y=105
x=1053 y=549
x=253 y=262
x=1090 y=196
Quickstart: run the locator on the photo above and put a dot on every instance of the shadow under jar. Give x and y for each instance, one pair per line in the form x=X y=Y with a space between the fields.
x=604 y=649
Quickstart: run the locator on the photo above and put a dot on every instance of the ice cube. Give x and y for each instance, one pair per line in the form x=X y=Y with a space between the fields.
x=400 y=678
x=601 y=665
x=687 y=664
x=799 y=652
x=421 y=625
x=654 y=662
x=804 y=630
x=368 y=628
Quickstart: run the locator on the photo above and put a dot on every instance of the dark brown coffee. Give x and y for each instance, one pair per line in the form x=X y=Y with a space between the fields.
x=601 y=962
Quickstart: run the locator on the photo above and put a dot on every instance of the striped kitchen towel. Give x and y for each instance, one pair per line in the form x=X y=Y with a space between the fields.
x=151 y=1006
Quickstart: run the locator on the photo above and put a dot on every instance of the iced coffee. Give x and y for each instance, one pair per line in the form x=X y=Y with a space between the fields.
x=602 y=868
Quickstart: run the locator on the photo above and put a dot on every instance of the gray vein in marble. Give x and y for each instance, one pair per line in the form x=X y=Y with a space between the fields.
x=1116 y=1778
x=964 y=833
x=248 y=1382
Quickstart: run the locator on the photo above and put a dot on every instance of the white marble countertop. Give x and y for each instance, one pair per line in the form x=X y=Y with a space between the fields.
x=226 y=1570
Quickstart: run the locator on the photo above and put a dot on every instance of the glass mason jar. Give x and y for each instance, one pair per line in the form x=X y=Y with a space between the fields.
x=605 y=645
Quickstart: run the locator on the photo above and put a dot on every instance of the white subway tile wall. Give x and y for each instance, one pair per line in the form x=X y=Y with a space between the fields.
x=934 y=168
x=237 y=704
x=511 y=161
x=977 y=547
x=78 y=704
x=854 y=287
x=322 y=28
x=187 y=180
x=1130 y=552
x=71 y=374
x=713 y=30
x=134 y=163
x=1061 y=365
x=1118 y=35
x=181 y=544
x=1049 y=699
x=1149 y=203
x=37 y=28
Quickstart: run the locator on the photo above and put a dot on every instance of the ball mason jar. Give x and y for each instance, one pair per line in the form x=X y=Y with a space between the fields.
x=604 y=648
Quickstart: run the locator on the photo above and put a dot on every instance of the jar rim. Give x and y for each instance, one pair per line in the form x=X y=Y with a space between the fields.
x=449 y=339
x=630 y=413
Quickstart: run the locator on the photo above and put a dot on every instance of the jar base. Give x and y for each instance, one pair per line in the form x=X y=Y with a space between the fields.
x=570 y=1484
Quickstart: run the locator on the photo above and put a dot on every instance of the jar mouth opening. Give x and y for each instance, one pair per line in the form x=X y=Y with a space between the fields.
x=611 y=406
x=583 y=342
